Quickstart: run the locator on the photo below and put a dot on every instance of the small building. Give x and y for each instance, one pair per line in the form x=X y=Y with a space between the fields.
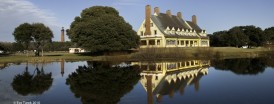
x=167 y=30
x=76 y=50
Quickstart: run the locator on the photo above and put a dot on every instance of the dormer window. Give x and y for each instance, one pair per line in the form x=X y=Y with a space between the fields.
x=167 y=31
x=173 y=31
x=142 y=33
x=178 y=32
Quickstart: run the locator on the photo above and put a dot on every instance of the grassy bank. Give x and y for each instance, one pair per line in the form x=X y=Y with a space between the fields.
x=146 y=54
x=198 y=53
x=55 y=56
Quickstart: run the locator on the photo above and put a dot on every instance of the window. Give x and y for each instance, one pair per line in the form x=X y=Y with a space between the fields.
x=170 y=42
x=151 y=42
x=204 y=43
x=142 y=33
x=187 y=63
x=143 y=42
x=192 y=63
x=171 y=66
x=159 y=68
x=183 y=64
x=158 y=42
x=182 y=42
x=196 y=62
x=167 y=32
x=151 y=24
x=191 y=43
x=173 y=31
x=155 y=32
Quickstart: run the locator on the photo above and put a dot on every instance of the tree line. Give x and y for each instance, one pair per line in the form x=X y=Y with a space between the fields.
x=239 y=36
x=97 y=29
x=13 y=47
x=102 y=29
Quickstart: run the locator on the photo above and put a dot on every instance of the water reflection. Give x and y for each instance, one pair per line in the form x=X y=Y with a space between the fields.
x=35 y=83
x=244 y=66
x=62 y=63
x=166 y=78
x=102 y=82
x=3 y=65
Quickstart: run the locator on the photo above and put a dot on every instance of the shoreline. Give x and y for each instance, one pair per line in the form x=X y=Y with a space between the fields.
x=146 y=55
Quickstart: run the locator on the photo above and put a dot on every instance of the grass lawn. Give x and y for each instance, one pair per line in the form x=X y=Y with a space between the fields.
x=52 y=56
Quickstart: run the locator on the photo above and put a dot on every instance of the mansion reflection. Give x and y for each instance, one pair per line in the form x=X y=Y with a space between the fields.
x=165 y=78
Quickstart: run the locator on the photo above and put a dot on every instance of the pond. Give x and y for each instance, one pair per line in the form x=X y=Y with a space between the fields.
x=230 y=81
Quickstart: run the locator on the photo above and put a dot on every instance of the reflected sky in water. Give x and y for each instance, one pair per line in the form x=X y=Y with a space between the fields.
x=192 y=81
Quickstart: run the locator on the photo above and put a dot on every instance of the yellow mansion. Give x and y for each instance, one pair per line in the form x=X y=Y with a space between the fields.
x=167 y=30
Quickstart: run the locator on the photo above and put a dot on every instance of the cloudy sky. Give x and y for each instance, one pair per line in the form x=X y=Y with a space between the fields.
x=213 y=15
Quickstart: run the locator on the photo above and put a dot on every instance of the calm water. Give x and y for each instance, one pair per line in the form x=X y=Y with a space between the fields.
x=234 y=81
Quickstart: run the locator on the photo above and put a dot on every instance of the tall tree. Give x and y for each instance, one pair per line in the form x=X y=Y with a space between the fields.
x=41 y=35
x=238 y=37
x=269 y=33
x=241 y=35
x=101 y=29
x=23 y=34
x=36 y=32
x=255 y=34
x=1 y=47
x=219 y=39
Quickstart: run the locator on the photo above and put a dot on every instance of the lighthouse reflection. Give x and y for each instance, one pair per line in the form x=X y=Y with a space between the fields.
x=165 y=78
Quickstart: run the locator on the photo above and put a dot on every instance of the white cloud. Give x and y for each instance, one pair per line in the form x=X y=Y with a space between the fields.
x=15 y=12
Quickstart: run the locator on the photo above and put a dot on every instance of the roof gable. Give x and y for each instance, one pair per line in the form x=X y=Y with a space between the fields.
x=167 y=21
x=163 y=21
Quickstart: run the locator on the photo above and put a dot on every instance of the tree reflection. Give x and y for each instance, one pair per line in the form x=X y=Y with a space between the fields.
x=241 y=66
x=35 y=83
x=102 y=83
x=3 y=65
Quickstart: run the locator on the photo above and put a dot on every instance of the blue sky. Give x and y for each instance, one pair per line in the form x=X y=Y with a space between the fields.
x=213 y=15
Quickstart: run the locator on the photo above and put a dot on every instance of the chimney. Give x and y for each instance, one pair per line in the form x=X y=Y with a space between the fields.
x=179 y=14
x=62 y=35
x=147 y=21
x=157 y=10
x=168 y=12
x=194 y=19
